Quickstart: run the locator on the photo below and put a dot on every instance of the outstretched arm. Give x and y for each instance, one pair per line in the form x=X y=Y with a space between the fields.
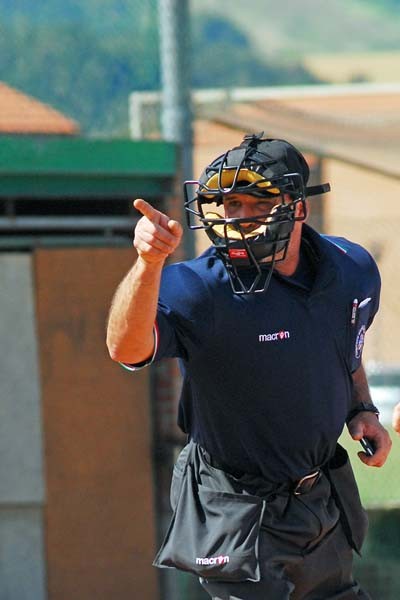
x=366 y=424
x=133 y=310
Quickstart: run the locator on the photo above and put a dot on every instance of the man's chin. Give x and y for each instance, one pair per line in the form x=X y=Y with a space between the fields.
x=268 y=259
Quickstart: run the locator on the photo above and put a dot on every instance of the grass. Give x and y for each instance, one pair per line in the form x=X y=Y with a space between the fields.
x=378 y=487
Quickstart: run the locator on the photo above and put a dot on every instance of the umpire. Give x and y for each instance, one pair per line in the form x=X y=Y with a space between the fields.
x=268 y=325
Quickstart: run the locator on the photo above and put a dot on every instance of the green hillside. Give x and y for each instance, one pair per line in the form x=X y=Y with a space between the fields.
x=85 y=58
x=303 y=26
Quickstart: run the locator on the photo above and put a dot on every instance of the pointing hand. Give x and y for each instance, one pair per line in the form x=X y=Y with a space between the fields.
x=156 y=235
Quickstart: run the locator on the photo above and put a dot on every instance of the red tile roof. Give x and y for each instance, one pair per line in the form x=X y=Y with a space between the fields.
x=22 y=114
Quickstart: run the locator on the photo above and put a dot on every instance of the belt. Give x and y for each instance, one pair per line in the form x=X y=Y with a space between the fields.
x=298 y=488
x=306 y=483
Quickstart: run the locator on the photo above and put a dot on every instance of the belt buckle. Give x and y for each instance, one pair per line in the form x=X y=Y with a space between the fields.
x=306 y=483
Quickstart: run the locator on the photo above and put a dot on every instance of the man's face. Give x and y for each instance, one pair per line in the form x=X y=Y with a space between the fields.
x=247 y=206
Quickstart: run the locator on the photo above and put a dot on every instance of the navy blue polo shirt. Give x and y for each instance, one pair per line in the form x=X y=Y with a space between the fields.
x=267 y=376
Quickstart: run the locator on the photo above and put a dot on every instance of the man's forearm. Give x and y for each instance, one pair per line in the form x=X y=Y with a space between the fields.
x=364 y=424
x=133 y=311
x=361 y=391
x=134 y=307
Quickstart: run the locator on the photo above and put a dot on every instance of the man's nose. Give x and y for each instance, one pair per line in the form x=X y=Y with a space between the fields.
x=246 y=212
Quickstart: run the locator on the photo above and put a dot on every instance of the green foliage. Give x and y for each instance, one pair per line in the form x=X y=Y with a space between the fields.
x=287 y=29
x=84 y=58
x=86 y=75
x=385 y=6
x=224 y=57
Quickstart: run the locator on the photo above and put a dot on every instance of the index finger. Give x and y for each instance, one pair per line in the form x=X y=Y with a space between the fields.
x=147 y=210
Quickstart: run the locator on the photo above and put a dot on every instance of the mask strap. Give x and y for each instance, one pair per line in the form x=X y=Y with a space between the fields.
x=314 y=190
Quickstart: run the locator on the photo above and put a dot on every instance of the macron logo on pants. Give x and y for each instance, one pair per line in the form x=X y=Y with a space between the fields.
x=213 y=560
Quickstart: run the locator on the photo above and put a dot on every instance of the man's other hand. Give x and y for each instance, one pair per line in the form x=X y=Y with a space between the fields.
x=396 y=418
x=365 y=424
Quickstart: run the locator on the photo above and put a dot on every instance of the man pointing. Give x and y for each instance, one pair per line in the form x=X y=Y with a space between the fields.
x=268 y=325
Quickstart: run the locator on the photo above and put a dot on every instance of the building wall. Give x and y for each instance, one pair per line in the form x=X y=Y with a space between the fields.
x=77 y=515
x=100 y=530
x=22 y=497
x=364 y=207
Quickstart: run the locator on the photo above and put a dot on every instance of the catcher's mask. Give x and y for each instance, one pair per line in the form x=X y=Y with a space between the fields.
x=263 y=168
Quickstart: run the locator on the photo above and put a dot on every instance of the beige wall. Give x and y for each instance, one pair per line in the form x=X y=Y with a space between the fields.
x=365 y=208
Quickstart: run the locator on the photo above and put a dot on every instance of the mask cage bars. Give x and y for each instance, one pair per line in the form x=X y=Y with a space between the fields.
x=290 y=183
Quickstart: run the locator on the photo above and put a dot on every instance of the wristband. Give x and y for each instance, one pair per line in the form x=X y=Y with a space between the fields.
x=362 y=407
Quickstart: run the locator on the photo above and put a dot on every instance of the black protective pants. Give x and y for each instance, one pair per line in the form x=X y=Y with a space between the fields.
x=304 y=553
x=325 y=573
x=250 y=541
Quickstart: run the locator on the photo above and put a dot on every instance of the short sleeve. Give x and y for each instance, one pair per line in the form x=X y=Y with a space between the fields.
x=364 y=308
x=185 y=312
x=149 y=361
x=184 y=315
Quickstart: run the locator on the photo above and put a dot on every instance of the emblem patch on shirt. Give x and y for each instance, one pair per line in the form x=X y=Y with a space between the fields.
x=359 y=342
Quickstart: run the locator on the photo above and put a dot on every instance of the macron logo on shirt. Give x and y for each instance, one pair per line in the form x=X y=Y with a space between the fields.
x=274 y=337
